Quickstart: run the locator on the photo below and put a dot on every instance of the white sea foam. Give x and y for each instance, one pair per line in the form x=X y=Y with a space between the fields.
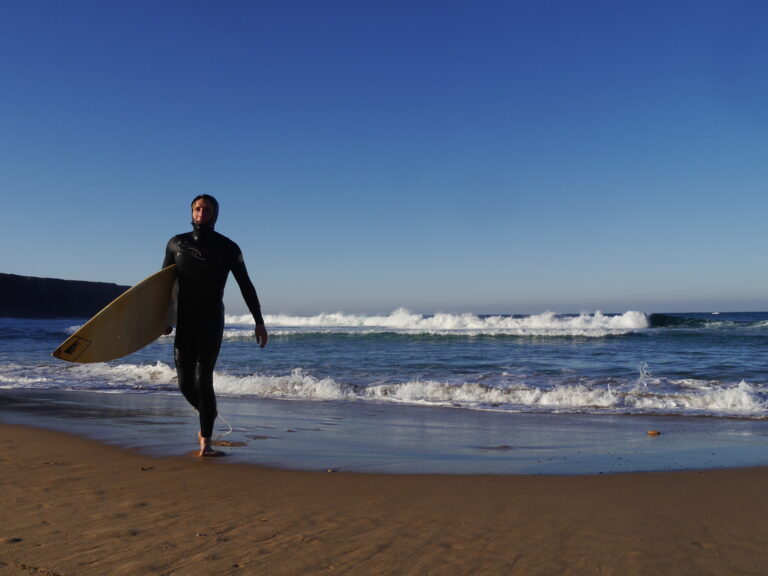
x=474 y=395
x=647 y=394
x=296 y=385
x=402 y=320
x=97 y=376
x=510 y=393
x=157 y=374
x=700 y=396
x=19 y=381
x=14 y=375
x=741 y=399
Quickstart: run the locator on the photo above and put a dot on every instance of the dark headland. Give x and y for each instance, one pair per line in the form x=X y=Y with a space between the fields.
x=31 y=297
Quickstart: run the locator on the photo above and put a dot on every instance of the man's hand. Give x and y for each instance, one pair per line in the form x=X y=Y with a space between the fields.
x=261 y=335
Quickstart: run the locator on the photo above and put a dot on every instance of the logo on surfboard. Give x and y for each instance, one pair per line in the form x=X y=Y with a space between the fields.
x=73 y=349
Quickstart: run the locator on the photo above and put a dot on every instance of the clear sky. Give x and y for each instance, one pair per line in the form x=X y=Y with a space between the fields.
x=459 y=156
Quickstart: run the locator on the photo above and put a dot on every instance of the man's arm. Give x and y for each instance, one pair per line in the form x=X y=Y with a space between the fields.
x=251 y=299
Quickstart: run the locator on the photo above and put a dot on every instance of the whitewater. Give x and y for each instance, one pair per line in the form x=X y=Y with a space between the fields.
x=592 y=363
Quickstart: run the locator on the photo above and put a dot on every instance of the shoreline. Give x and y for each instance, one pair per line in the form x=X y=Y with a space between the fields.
x=74 y=505
x=397 y=439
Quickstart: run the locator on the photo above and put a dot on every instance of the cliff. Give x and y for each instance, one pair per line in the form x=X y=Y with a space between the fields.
x=30 y=297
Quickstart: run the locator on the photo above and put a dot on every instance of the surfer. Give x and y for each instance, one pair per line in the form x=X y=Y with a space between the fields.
x=204 y=258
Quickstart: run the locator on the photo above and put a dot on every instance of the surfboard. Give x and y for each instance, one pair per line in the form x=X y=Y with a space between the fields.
x=131 y=321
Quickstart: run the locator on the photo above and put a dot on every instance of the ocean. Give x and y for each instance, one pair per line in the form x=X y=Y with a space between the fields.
x=445 y=393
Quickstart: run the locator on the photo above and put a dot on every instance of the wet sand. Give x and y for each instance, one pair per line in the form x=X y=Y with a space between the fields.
x=391 y=438
x=75 y=506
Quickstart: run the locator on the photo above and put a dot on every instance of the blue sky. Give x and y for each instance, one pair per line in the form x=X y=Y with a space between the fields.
x=460 y=156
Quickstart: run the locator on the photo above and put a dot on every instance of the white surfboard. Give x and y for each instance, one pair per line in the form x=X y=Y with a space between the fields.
x=134 y=319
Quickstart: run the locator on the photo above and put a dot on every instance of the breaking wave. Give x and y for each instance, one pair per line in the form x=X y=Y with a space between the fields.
x=594 y=325
x=643 y=395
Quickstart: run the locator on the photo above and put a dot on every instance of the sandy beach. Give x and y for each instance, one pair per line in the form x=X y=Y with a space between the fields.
x=75 y=506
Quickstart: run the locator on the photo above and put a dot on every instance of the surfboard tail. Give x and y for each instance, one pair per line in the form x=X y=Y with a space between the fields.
x=71 y=349
x=134 y=319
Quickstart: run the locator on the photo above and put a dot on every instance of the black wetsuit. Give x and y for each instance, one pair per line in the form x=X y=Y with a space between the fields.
x=203 y=261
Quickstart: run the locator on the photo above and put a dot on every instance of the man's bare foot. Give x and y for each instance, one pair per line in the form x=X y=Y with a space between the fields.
x=206 y=448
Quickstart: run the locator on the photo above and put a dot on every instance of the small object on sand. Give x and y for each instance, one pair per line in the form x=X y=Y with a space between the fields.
x=654 y=433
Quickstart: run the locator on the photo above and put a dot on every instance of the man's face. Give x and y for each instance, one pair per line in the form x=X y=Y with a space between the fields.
x=202 y=211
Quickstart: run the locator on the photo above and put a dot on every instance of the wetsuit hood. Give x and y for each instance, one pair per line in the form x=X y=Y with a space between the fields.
x=206 y=228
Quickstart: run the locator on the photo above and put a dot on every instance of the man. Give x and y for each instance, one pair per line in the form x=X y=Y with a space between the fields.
x=203 y=261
